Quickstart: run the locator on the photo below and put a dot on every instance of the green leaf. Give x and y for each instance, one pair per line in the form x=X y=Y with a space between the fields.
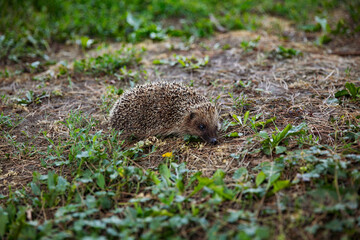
x=180 y=185
x=260 y=178
x=4 y=220
x=51 y=180
x=312 y=229
x=100 y=180
x=203 y=181
x=280 y=149
x=35 y=189
x=267 y=150
x=206 y=60
x=236 y=118
x=240 y=172
x=332 y=101
x=182 y=62
x=323 y=39
x=352 y=89
x=280 y=184
x=234 y=134
x=154 y=178
x=94 y=138
x=165 y=173
x=262 y=232
x=246 y=116
x=283 y=133
x=335 y=225
x=297 y=129
x=323 y=23
x=158 y=62
x=105 y=202
x=61 y=185
x=83 y=154
x=235 y=215
x=263 y=134
x=342 y=93
x=193 y=178
x=218 y=176
x=132 y=21
x=222 y=191
x=270 y=120
x=273 y=178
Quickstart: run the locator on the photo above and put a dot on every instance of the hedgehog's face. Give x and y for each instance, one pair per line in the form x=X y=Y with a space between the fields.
x=202 y=121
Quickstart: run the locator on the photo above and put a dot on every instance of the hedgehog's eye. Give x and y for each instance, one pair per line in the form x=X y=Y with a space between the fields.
x=202 y=127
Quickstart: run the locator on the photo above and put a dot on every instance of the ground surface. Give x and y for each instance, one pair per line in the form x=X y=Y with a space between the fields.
x=298 y=88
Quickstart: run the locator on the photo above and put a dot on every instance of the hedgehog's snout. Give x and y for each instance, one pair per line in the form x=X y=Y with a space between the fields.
x=210 y=137
x=213 y=141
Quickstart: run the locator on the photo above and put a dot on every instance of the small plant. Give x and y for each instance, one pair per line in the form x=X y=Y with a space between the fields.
x=63 y=68
x=31 y=97
x=239 y=102
x=238 y=121
x=281 y=53
x=250 y=45
x=109 y=63
x=35 y=67
x=348 y=71
x=20 y=148
x=341 y=28
x=5 y=121
x=129 y=75
x=226 y=46
x=271 y=171
x=247 y=121
x=272 y=142
x=214 y=100
x=307 y=139
x=350 y=91
x=326 y=30
x=5 y=73
x=185 y=62
x=4 y=99
x=85 y=42
x=192 y=62
x=140 y=29
x=255 y=124
x=242 y=84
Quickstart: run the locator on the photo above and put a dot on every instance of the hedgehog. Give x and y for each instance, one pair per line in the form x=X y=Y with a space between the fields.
x=164 y=109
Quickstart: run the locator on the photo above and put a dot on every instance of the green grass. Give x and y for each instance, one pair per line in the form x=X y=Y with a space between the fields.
x=109 y=63
x=250 y=45
x=29 y=28
x=281 y=53
x=31 y=97
x=5 y=121
x=185 y=62
x=99 y=190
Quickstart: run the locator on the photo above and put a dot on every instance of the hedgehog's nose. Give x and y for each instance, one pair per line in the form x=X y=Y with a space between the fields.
x=213 y=141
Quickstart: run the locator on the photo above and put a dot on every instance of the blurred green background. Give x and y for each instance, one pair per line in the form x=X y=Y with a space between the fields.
x=28 y=27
